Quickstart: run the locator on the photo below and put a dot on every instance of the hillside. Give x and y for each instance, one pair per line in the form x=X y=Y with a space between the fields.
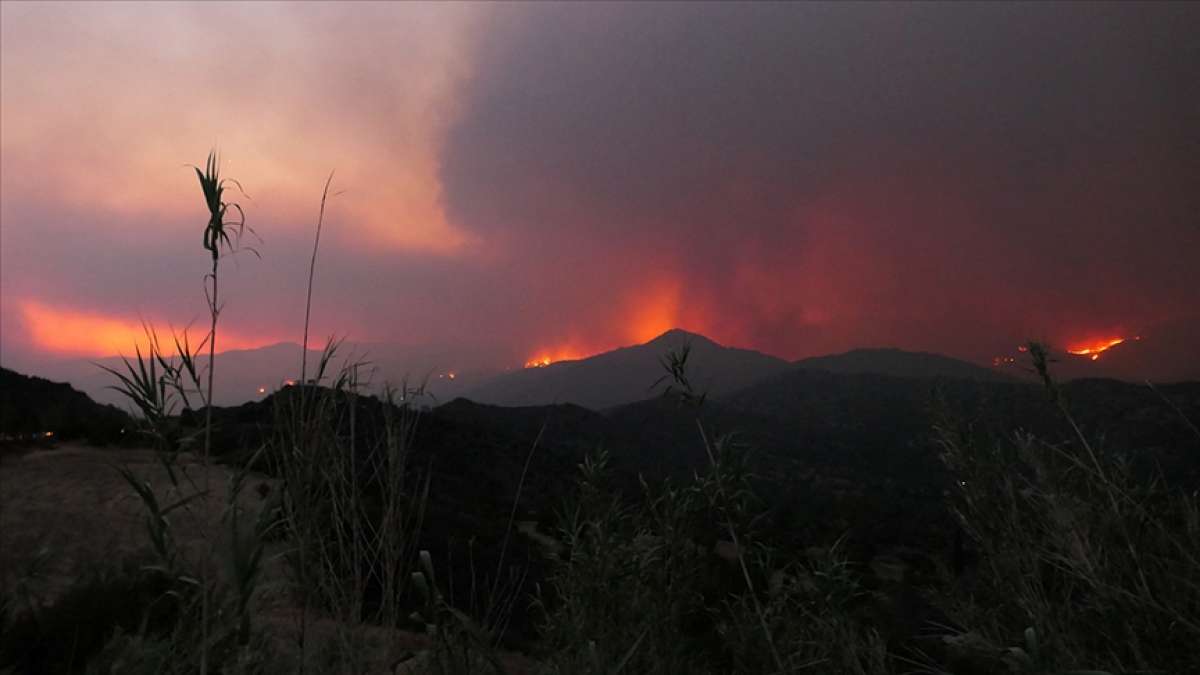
x=860 y=446
x=242 y=373
x=36 y=406
x=900 y=363
x=627 y=374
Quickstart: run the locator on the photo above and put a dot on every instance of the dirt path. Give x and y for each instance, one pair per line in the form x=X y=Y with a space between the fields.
x=67 y=509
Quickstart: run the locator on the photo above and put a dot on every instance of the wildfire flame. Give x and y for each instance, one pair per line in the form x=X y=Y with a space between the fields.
x=545 y=357
x=652 y=309
x=1093 y=350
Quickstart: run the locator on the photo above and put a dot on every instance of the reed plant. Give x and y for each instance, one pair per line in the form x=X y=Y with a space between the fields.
x=1086 y=563
x=160 y=384
x=221 y=234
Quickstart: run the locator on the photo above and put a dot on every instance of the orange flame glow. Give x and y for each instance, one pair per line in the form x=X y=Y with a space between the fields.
x=547 y=356
x=1093 y=349
x=69 y=331
x=653 y=308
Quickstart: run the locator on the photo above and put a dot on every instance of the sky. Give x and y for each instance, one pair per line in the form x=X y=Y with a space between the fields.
x=515 y=182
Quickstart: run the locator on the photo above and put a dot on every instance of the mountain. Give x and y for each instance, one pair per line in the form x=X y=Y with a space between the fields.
x=628 y=374
x=35 y=406
x=876 y=422
x=625 y=375
x=900 y=363
x=240 y=373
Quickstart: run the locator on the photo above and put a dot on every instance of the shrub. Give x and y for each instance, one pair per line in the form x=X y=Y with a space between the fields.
x=1085 y=563
x=64 y=636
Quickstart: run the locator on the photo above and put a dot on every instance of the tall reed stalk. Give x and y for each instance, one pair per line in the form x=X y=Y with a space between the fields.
x=312 y=268
x=219 y=234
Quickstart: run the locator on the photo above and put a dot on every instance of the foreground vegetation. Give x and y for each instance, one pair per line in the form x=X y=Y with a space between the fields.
x=1055 y=554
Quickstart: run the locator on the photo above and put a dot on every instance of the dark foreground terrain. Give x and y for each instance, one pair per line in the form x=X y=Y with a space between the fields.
x=866 y=522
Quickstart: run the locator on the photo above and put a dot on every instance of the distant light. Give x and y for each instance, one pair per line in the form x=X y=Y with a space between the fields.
x=289 y=383
x=452 y=376
x=49 y=434
x=262 y=390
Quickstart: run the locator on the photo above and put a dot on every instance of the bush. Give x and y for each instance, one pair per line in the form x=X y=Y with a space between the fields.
x=64 y=636
x=1084 y=562
x=639 y=591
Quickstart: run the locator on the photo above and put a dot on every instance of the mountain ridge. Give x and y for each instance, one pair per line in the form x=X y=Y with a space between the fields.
x=618 y=376
x=901 y=363
x=627 y=374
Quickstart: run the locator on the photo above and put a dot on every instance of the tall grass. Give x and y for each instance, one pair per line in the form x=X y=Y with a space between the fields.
x=1094 y=564
x=676 y=580
x=351 y=506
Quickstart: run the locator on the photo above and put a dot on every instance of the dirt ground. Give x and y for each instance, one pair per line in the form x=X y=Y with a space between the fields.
x=66 y=509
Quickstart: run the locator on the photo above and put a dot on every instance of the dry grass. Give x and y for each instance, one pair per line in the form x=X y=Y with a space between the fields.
x=68 y=508
x=71 y=507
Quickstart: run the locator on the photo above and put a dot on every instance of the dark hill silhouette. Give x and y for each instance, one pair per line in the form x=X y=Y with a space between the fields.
x=900 y=363
x=33 y=405
x=836 y=454
x=627 y=374
x=242 y=372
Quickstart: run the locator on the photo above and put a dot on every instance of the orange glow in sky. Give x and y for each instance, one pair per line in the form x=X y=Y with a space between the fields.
x=648 y=312
x=51 y=145
x=66 y=331
x=654 y=312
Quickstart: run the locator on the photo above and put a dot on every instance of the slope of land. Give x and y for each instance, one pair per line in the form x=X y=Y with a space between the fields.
x=33 y=407
x=66 y=513
x=627 y=374
x=900 y=363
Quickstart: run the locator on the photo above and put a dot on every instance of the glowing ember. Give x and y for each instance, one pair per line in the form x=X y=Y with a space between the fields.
x=1092 y=350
